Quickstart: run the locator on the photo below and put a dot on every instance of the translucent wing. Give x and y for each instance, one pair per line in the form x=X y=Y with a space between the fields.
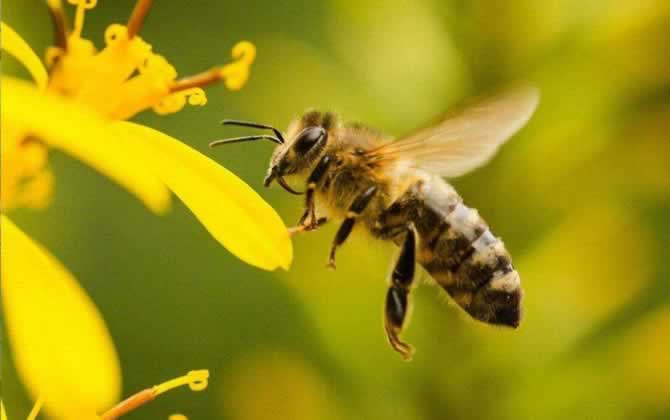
x=466 y=139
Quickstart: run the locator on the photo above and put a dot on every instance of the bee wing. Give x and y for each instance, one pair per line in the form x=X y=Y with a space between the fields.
x=468 y=138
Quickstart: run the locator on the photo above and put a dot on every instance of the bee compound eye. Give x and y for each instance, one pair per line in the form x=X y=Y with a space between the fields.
x=308 y=138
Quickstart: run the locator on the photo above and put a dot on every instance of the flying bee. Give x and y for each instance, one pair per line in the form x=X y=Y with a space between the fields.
x=395 y=189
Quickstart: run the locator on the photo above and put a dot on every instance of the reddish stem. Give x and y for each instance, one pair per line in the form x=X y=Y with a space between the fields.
x=129 y=404
x=197 y=80
x=138 y=16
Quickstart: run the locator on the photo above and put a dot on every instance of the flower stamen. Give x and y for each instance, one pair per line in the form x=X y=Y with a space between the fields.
x=36 y=409
x=130 y=404
x=82 y=6
x=60 y=24
x=195 y=379
x=138 y=16
x=203 y=79
x=234 y=75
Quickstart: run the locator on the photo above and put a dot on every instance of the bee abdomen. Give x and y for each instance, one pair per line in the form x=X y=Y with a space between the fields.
x=445 y=249
x=487 y=286
x=473 y=266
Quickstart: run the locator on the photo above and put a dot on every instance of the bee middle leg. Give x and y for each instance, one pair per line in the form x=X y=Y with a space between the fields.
x=356 y=208
x=397 y=297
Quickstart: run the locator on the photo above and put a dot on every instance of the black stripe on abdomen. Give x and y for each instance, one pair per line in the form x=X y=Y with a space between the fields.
x=473 y=266
x=452 y=245
x=488 y=256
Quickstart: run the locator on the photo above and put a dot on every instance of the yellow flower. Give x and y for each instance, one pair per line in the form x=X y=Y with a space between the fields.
x=61 y=346
x=76 y=107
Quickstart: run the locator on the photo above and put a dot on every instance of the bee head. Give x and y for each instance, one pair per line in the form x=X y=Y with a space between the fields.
x=306 y=139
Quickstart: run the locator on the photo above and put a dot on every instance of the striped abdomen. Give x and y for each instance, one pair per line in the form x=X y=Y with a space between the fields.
x=459 y=251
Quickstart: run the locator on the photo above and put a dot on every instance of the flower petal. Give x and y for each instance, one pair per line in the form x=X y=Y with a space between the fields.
x=228 y=208
x=61 y=346
x=83 y=134
x=19 y=48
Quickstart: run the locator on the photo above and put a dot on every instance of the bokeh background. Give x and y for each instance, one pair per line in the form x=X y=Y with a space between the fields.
x=581 y=198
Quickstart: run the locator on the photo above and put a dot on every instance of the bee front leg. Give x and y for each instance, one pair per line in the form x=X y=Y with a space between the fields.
x=356 y=208
x=310 y=207
x=397 y=297
x=307 y=227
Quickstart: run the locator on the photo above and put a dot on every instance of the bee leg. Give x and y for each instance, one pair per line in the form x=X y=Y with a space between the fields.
x=310 y=208
x=397 y=297
x=356 y=208
x=307 y=227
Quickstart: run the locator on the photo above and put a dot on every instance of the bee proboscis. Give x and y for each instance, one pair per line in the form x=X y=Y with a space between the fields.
x=396 y=190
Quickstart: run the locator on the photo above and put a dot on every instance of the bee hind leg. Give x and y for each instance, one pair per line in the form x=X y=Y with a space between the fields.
x=356 y=208
x=397 y=297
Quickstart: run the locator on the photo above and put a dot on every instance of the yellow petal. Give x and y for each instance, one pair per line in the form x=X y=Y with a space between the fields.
x=83 y=134
x=60 y=344
x=17 y=47
x=228 y=208
x=3 y=414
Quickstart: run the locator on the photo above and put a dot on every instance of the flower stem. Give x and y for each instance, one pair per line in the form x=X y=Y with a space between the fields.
x=137 y=17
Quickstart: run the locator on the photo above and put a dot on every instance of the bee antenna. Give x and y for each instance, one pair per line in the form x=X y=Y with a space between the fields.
x=243 y=139
x=255 y=125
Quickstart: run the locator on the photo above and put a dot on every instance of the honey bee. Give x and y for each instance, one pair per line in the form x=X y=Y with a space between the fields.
x=396 y=191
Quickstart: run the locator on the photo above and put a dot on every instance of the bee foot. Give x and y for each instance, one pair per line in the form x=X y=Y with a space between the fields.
x=406 y=351
x=316 y=223
x=331 y=264
x=294 y=230
x=302 y=227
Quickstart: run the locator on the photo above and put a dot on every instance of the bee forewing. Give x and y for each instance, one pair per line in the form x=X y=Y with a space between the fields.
x=467 y=139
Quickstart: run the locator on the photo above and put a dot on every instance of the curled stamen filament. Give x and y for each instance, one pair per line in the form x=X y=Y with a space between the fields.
x=198 y=80
x=82 y=6
x=195 y=379
x=234 y=74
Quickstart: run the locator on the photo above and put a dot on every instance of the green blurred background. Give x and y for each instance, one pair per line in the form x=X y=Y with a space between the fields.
x=581 y=198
